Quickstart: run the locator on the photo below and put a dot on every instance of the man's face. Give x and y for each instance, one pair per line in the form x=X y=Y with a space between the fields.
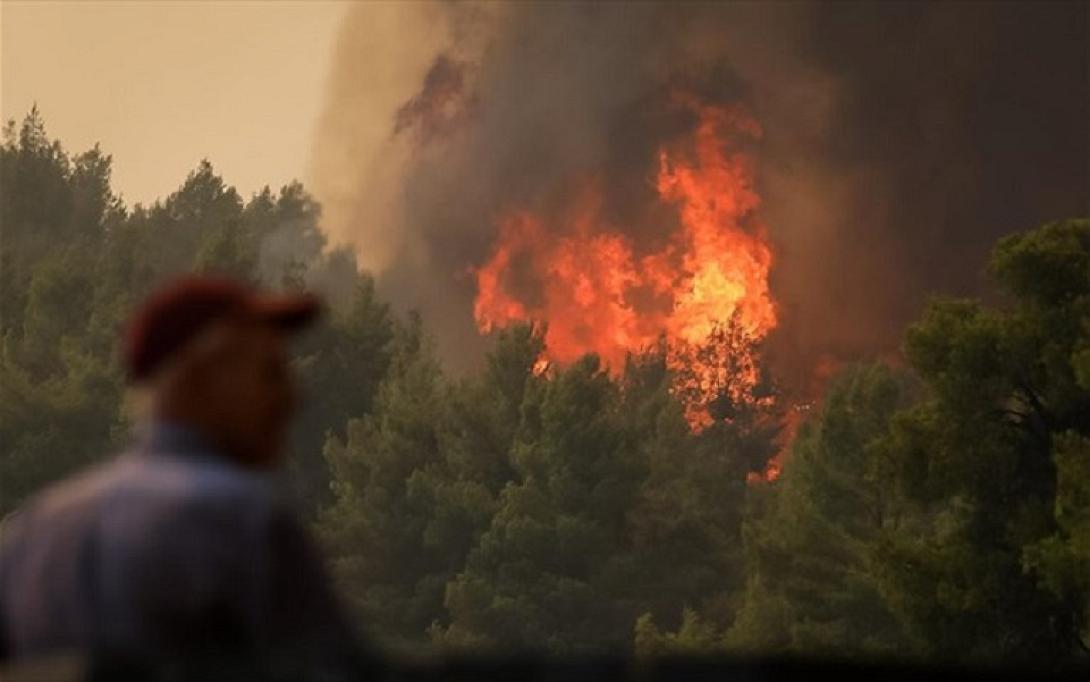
x=250 y=393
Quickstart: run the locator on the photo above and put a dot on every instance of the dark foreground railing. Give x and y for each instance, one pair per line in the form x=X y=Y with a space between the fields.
x=212 y=669
x=709 y=669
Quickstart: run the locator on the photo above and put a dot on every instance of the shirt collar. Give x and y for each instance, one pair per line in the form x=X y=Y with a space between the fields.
x=162 y=437
x=166 y=437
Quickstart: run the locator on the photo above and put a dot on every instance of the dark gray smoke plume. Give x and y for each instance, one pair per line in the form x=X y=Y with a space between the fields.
x=901 y=139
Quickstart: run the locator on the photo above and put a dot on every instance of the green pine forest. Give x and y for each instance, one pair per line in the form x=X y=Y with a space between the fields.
x=936 y=511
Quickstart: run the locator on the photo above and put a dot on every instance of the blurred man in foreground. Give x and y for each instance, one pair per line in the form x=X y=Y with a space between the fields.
x=182 y=546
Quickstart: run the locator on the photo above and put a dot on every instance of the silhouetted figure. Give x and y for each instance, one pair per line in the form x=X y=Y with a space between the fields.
x=183 y=546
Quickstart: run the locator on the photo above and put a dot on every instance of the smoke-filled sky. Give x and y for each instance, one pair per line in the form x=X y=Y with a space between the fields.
x=163 y=84
x=901 y=139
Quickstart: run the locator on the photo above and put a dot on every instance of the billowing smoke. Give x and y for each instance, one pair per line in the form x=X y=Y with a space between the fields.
x=900 y=140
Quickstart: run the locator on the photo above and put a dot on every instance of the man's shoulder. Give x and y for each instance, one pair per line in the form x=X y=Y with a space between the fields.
x=59 y=514
x=77 y=491
x=149 y=488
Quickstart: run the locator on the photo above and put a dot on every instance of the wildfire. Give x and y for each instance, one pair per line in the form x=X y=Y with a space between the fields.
x=601 y=293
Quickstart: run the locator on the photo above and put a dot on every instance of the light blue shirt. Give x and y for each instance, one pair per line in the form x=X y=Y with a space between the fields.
x=167 y=547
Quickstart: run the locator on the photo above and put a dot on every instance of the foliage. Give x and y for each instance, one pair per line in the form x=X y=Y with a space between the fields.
x=811 y=577
x=993 y=457
x=941 y=510
x=73 y=263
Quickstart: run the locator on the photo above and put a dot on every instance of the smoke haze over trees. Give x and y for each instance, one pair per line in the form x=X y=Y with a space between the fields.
x=940 y=510
x=899 y=138
x=75 y=261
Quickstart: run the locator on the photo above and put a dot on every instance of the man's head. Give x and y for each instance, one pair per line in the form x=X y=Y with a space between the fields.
x=212 y=354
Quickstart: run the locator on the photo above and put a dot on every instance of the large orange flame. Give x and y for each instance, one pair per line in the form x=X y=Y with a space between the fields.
x=598 y=294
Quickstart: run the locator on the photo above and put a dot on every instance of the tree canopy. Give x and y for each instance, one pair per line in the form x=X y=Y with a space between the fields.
x=74 y=260
x=939 y=509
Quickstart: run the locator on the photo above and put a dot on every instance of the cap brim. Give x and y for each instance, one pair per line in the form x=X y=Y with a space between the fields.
x=289 y=313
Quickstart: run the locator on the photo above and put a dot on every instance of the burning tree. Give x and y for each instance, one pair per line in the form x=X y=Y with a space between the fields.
x=727 y=395
x=703 y=291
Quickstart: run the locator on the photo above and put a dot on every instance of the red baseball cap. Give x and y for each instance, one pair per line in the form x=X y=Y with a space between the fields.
x=177 y=312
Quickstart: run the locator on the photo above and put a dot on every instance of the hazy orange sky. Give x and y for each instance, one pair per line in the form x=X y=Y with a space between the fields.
x=161 y=85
